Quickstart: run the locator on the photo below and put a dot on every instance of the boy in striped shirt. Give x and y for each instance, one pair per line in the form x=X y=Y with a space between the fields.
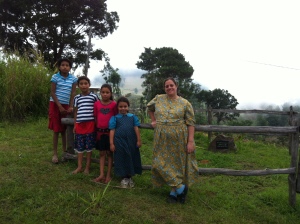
x=84 y=123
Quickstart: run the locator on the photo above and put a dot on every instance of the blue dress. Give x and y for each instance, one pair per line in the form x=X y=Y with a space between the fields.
x=127 y=158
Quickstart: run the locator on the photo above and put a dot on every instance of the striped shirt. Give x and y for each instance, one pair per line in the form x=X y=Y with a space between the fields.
x=85 y=107
x=63 y=87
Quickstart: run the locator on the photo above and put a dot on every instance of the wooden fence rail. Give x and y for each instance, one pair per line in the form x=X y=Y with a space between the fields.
x=291 y=131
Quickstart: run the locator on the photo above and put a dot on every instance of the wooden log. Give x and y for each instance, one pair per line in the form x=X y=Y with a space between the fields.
x=247 y=129
x=247 y=111
x=246 y=172
x=222 y=128
x=240 y=129
x=68 y=121
x=231 y=172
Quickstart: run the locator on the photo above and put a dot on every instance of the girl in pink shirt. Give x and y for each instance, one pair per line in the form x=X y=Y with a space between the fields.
x=103 y=111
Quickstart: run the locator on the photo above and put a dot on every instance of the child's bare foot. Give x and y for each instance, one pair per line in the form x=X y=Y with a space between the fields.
x=99 y=179
x=78 y=170
x=107 y=180
x=86 y=171
x=54 y=159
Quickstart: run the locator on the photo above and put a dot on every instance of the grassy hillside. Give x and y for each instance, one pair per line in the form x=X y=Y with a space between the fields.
x=33 y=190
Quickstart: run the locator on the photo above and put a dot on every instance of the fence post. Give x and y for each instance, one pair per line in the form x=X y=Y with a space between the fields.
x=298 y=174
x=292 y=179
x=209 y=119
x=291 y=124
x=70 y=137
x=294 y=151
x=296 y=123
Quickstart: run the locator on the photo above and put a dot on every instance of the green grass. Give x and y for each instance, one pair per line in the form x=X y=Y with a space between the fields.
x=33 y=190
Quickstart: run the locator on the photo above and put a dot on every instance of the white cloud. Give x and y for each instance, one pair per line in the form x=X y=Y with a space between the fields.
x=221 y=40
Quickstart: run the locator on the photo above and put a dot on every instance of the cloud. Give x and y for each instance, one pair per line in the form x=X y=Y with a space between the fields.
x=220 y=39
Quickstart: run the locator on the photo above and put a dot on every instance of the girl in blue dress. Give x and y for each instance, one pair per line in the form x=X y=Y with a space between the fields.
x=125 y=141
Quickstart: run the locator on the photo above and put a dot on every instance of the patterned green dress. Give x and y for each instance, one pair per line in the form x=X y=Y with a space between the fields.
x=171 y=164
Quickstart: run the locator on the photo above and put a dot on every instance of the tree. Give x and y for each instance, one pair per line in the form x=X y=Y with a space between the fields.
x=159 y=64
x=261 y=120
x=112 y=77
x=220 y=99
x=55 y=28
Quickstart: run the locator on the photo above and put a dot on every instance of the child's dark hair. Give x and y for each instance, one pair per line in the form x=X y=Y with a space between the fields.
x=123 y=99
x=64 y=59
x=83 y=78
x=110 y=89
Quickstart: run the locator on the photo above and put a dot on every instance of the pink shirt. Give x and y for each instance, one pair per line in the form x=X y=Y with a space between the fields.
x=103 y=113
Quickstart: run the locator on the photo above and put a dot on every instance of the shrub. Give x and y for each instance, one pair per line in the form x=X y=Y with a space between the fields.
x=24 y=87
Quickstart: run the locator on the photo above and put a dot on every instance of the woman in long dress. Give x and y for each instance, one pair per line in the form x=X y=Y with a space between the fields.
x=173 y=162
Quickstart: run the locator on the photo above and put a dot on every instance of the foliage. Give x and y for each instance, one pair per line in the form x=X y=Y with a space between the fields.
x=55 y=28
x=96 y=199
x=240 y=122
x=200 y=119
x=275 y=119
x=112 y=77
x=160 y=64
x=31 y=184
x=136 y=106
x=24 y=87
x=220 y=99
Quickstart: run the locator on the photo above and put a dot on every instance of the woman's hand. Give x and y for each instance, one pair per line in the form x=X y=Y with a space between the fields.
x=190 y=147
x=153 y=124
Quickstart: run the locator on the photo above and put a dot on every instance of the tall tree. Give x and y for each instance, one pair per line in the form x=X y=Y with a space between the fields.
x=159 y=64
x=220 y=99
x=55 y=28
x=112 y=77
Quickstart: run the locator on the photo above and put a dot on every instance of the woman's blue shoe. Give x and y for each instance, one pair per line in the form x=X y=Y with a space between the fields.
x=181 y=197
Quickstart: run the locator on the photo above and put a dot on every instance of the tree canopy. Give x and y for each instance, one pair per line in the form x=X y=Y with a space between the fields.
x=160 y=64
x=55 y=28
x=112 y=77
x=220 y=99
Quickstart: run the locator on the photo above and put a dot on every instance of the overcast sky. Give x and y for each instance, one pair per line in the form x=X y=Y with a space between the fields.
x=249 y=47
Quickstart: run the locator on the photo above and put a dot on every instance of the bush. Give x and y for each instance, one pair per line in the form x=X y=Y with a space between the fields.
x=24 y=87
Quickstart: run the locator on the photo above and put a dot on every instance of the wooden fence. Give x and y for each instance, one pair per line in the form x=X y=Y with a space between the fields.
x=291 y=131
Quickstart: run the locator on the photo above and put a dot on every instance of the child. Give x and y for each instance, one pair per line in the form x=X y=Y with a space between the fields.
x=63 y=89
x=103 y=111
x=84 y=123
x=125 y=141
